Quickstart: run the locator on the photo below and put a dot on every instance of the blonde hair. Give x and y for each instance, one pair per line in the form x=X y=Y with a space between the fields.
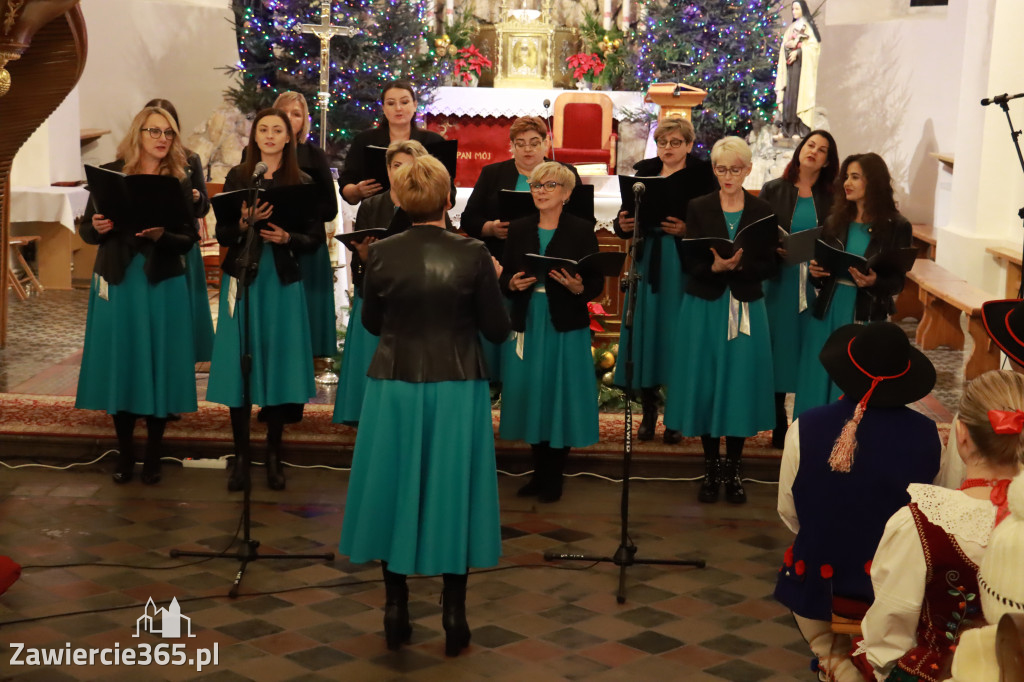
x=994 y=390
x=289 y=97
x=422 y=188
x=525 y=124
x=410 y=147
x=675 y=124
x=556 y=171
x=731 y=145
x=130 y=149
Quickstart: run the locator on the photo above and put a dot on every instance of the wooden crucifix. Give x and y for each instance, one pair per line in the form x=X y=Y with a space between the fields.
x=325 y=30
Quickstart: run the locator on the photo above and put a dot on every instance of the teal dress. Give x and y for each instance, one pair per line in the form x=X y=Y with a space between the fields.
x=199 y=300
x=423 y=493
x=318 y=282
x=360 y=345
x=282 y=366
x=493 y=351
x=782 y=299
x=139 y=353
x=550 y=394
x=718 y=386
x=654 y=316
x=814 y=386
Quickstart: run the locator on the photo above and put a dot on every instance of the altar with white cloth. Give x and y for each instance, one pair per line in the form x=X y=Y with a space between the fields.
x=50 y=213
x=480 y=118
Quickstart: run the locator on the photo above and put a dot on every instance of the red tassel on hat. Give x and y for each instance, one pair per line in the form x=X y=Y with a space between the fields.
x=846 y=445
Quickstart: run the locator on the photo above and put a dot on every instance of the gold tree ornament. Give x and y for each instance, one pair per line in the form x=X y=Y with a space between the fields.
x=5 y=76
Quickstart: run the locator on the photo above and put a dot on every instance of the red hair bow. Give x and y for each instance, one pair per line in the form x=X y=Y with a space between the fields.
x=1006 y=421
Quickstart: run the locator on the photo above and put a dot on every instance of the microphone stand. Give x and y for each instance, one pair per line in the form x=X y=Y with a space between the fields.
x=248 y=550
x=625 y=555
x=1015 y=136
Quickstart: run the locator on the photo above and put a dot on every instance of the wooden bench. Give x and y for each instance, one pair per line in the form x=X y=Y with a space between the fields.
x=924 y=239
x=944 y=296
x=1011 y=257
x=908 y=302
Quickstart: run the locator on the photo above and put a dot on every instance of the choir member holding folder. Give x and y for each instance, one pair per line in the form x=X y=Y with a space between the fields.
x=672 y=179
x=139 y=355
x=381 y=215
x=720 y=382
x=549 y=394
x=398 y=103
x=195 y=270
x=863 y=222
x=317 y=273
x=272 y=235
x=801 y=200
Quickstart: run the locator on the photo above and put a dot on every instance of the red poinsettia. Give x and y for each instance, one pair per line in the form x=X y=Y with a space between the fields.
x=470 y=59
x=585 y=66
x=596 y=310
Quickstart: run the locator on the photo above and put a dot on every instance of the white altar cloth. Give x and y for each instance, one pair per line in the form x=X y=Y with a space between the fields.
x=456 y=101
x=48 y=205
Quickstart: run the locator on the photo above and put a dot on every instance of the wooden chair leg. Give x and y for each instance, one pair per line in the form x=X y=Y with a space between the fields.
x=19 y=291
x=985 y=356
x=28 y=271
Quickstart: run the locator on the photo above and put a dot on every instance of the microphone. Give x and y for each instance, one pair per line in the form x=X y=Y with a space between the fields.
x=547 y=104
x=1000 y=99
x=259 y=171
x=638 y=189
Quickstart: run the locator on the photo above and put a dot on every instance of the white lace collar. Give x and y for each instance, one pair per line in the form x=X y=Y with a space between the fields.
x=959 y=514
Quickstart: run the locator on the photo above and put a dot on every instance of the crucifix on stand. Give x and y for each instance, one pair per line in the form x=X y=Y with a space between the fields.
x=325 y=30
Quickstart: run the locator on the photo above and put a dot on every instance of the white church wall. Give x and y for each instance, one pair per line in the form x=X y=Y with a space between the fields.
x=141 y=49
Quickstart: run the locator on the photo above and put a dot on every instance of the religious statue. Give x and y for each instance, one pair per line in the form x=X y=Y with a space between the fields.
x=797 y=82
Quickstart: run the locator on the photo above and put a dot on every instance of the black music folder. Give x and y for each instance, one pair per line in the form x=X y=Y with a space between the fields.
x=350 y=238
x=758 y=240
x=138 y=202
x=604 y=263
x=659 y=201
x=799 y=246
x=445 y=151
x=838 y=262
x=294 y=205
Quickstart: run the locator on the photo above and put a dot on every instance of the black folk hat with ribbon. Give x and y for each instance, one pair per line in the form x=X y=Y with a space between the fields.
x=1004 y=322
x=876 y=366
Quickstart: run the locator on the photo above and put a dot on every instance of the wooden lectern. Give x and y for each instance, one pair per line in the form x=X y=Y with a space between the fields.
x=33 y=82
x=675 y=99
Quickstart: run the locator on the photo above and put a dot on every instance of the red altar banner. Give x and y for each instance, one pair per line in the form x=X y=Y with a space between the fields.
x=482 y=141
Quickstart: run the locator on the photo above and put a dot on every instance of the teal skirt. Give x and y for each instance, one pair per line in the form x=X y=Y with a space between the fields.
x=139 y=354
x=716 y=386
x=786 y=323
x=550 y=394
x=360 y=345
x=202 y=320
x=282 y=366
x=654 y=320
x=423 y=493
x=318 y=281
x=814 y=386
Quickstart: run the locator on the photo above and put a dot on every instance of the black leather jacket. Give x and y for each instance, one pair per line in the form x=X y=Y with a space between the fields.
x=427 y=294
x=782 y=195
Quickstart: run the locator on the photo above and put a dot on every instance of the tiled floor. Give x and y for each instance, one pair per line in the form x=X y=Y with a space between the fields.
x=317 y=620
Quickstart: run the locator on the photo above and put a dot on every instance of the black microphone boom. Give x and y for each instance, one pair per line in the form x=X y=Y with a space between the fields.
x=259 y=171
x=1000 y=99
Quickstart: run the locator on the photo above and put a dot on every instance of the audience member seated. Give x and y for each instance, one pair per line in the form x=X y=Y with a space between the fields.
x=837 y=504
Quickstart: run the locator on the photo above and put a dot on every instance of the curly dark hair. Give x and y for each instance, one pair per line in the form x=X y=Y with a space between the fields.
x=827 y=176
x=879 y=203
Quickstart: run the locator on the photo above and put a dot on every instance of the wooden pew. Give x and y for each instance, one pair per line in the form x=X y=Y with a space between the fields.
x=1012 y=259
x=944 y=296
x=925 y=240
x=907 y=302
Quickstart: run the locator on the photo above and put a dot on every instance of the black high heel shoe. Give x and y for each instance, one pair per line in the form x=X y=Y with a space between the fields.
x=124 y=470
x=453 y=614
x=397 y=628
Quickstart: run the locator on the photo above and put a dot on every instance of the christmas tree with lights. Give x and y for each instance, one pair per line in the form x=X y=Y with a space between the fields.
x=275 y=55
x=727 y=47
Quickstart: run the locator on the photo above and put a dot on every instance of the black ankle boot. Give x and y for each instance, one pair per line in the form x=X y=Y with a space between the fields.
x=533 y=486
x=124 y=426
x=649 y=401
x=151 y=464
x=554 y=475
x=453 y=614
x=397 y=628
x=732 y=474
x=709 y=487
x=671 y=436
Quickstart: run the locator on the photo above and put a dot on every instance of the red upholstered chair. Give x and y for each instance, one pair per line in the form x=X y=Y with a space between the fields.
x=583 y=129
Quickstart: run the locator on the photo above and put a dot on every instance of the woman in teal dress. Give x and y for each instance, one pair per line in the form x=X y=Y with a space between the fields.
x=864 y=221
x=549 y=394
x=801 y=200
x=195 y=269
x=720 y=383
x=139 y=355
x=317 y=273
x=661 y=281
x=282 y=366
x=380 y=210
x=423 y=493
